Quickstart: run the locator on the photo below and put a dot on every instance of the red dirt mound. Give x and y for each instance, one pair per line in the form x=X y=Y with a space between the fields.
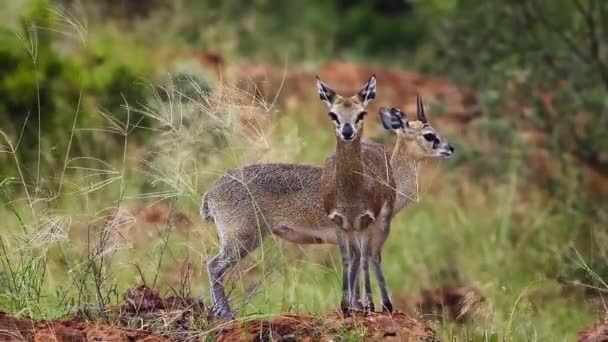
x=375 y=327
x=175 y=319
x=16 y=329
x=144 y=299
x=458 y=304
x=172 y=316
x=596 y=333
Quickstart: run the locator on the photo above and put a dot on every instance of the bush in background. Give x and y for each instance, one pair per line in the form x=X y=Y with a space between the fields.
x=540 y=68
x=45 y=79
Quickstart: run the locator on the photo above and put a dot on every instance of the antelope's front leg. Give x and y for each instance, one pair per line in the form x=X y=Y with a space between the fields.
x=353 y=274
x=366 y=253
x=346 y=261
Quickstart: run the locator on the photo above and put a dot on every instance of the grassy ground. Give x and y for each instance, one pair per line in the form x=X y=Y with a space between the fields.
x=503 y=239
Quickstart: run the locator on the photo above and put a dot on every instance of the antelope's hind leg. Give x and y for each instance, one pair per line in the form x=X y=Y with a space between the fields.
x=378 y=243
x=217 y=267
x=233 y=248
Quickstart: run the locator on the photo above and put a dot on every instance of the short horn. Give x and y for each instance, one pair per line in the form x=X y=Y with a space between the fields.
x=420 y=109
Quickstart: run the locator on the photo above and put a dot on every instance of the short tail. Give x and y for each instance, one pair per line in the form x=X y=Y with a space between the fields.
x=206 y=211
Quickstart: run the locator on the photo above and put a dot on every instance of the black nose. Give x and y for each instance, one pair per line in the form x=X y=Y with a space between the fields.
x=451 y=148
x=348 y=132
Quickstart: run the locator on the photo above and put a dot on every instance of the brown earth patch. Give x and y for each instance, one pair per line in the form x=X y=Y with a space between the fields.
x=23 y=329
x=174 y=316
x=374 y=327
x=146 y=316
x=596 y=333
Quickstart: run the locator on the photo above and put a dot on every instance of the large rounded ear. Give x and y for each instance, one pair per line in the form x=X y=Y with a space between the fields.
x=368 y=92
x=326 y=94
x=420 y=109
x=393 y=119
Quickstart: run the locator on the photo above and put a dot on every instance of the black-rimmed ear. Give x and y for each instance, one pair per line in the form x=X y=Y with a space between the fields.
x=392 y=119
x=420 y=109
x=368 y=92
x=326 y=94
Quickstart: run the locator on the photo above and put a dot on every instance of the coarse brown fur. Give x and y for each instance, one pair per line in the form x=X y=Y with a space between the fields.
x=354 y=182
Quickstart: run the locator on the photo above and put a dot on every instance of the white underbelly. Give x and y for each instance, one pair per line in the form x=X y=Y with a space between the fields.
x=301 y=234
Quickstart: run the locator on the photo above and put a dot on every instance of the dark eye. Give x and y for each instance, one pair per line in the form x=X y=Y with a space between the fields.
x=360 y=116
x=333 y=116
x=430 y=137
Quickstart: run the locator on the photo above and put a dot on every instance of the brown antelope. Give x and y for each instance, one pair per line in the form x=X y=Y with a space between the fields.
x=356 y=189
x=248 y=203
x=416 y=141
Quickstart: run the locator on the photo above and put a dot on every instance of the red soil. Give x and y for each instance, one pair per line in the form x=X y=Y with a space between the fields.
x=156 y=318
x=596 y=333
x=17 y=329
x=172 y=319
x=375 y=327
x=173 y=316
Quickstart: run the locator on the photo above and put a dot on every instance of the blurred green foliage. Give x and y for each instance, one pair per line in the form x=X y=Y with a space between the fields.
x=542 y=64
x=539 y=66
x=44 y=81
x=285 y=31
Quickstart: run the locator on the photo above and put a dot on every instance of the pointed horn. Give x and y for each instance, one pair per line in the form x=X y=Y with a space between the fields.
x=420 y=109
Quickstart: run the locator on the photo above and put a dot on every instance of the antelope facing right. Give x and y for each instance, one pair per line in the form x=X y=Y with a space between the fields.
x=357 y=189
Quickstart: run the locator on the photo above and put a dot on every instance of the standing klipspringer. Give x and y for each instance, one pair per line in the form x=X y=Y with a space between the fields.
x=357 y=188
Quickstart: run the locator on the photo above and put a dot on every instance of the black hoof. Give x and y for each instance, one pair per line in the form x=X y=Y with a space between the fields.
x=347 y=312
x=369 y=307
x=387 y=307
x=345 y=308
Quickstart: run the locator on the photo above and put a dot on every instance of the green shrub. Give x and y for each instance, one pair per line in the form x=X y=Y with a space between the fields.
x=538 y=55
x=43 y=75
x=541 y=65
